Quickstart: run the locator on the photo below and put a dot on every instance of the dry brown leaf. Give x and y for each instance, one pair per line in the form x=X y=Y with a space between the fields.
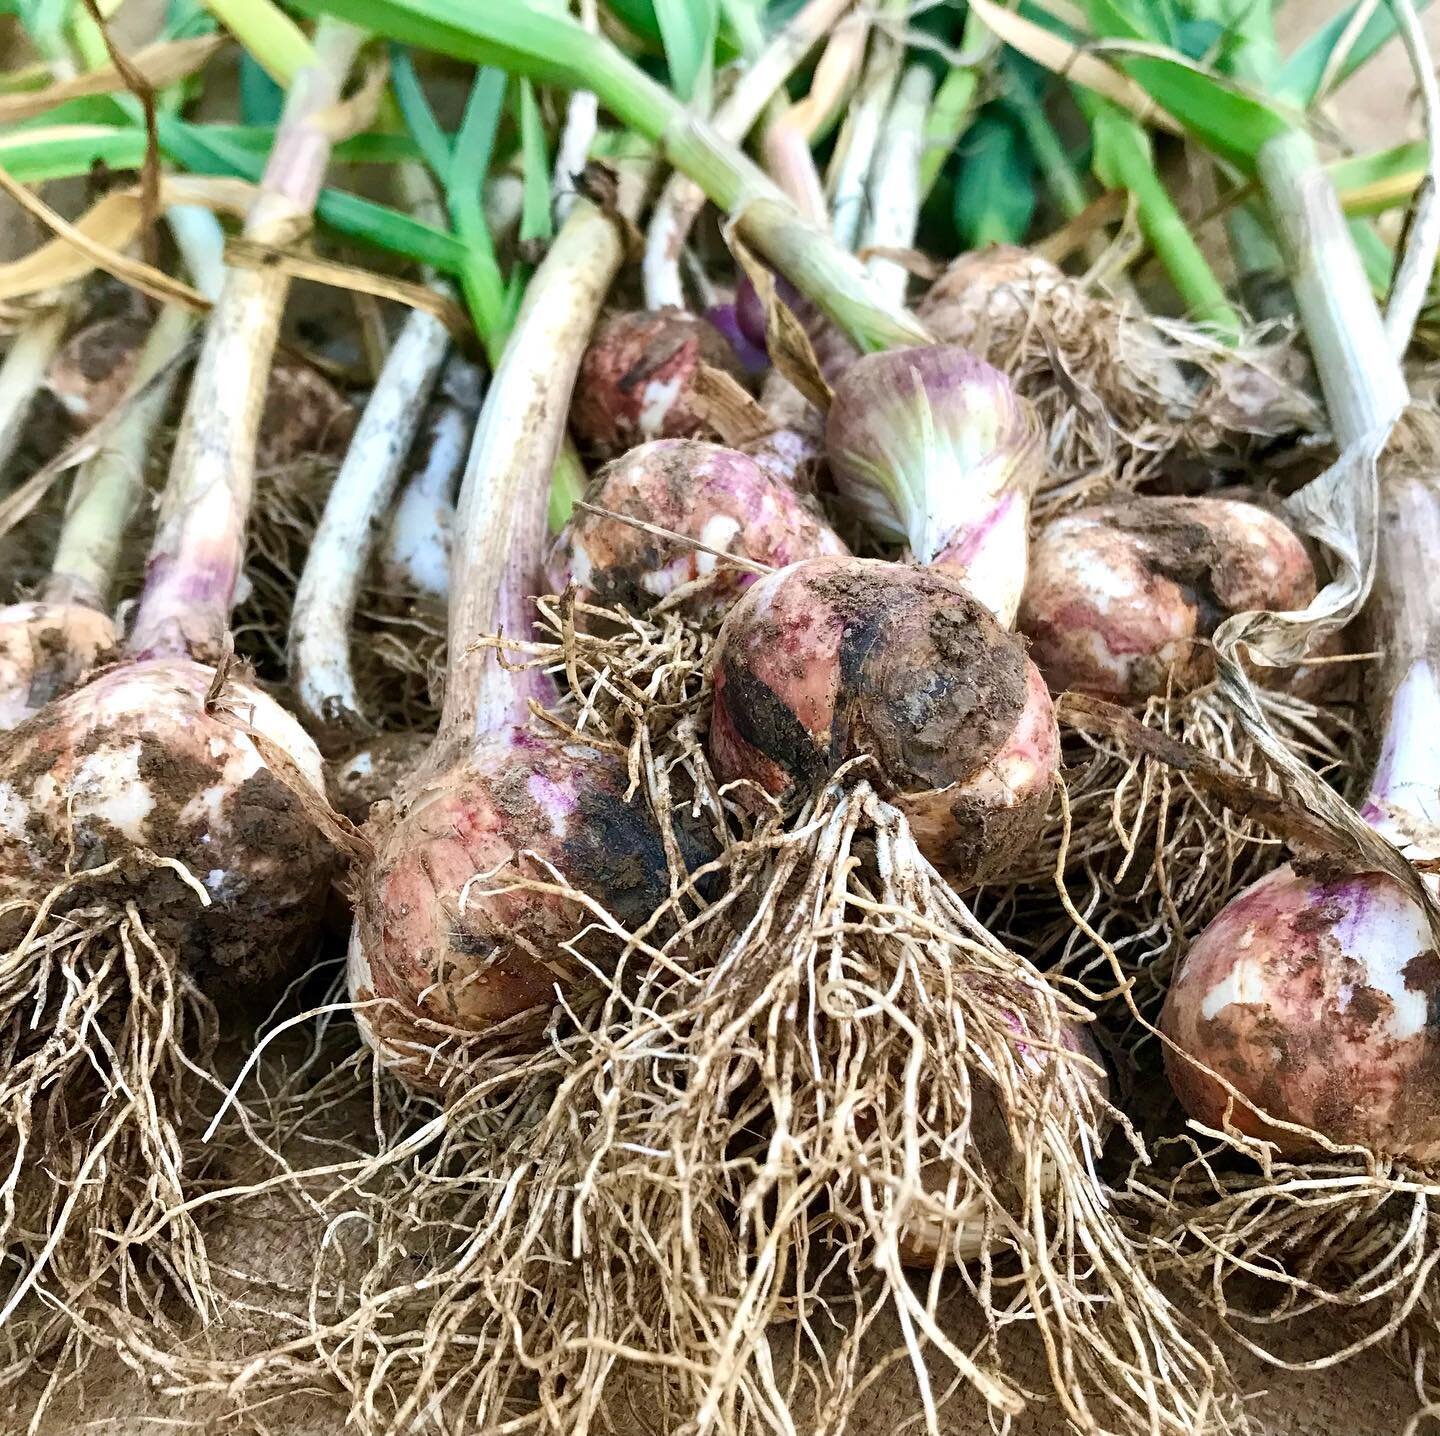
x=95 y=241
x=790 y=349
x=722 y=403
x=252 y=254
x=1061 y=57
x=158 y=65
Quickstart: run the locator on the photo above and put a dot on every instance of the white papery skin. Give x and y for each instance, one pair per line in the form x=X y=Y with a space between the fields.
x=45 y=649
x=136 y=760
x=933 y=448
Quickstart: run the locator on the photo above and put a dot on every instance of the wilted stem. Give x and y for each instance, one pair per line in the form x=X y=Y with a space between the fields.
x=895 y=185
x=855 y=150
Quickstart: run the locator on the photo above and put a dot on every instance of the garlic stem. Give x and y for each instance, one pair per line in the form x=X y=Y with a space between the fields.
x=855 y=151
x=199 y=544
x=894 y=192
x=500 y=531
x=23 y=371
x=1364 y=388
x=329 y=585
x=416 y=555
x=1404 y=799
x=681 y=200
x=582 y=119
x=108 y=487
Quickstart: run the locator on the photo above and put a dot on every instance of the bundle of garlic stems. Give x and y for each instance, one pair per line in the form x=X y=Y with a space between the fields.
x=163 y=853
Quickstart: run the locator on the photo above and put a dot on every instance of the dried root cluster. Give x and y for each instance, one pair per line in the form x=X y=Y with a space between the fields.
x=815 y=1100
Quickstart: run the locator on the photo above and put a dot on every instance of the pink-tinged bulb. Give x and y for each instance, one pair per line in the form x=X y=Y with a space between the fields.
x=133 y=761
x=1318 y=999
x=45 y=650
x=442 y=931
x=1122 y=597
x=968 y=1235
x=935 y=449
x=833 y=658
x=637 y=380
x=719 y=497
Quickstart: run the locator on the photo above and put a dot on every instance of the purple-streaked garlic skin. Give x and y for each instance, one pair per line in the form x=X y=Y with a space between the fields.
x=1318 y=999
x=133 y=761
x=1121 y=596
x=433 y=929
x=934 y=449
x=834 y=658
x=754 y=358
x=45 y=650
x=967 y=1237
x=717 y=496
x=637 y=379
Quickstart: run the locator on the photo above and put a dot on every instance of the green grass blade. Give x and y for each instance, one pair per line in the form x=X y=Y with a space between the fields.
x=688 y=29
x=1374 y=183
x=1123 y=160
x=36 y=154
x=1228 y=120
x=415 y=110
x=480 y=278
x=536 y=220
x=1316 y=67
x=995 y=191
x=505 y=34
x=202 y=151
x=260 y=97
x=639 y=18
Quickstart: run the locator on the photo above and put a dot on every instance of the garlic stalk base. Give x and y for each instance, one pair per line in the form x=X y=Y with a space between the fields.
x=23 y=372
x=501 y=522
x=329 y=586
x=199 y=545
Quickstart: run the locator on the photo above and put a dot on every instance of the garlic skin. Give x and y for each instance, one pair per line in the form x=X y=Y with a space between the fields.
x=45 y=650
x=934 y=448
x=989 y=294
x=134 y=761
x=833 y=658
x=718 y=496
x=1317 y=998
x=441 y=928
x=1122 y=596
x=636 y=380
